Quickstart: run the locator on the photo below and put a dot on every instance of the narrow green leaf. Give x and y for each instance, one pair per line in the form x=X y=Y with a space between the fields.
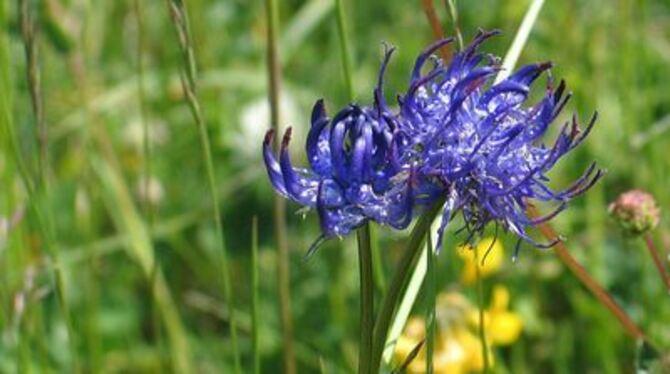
x=514 y=51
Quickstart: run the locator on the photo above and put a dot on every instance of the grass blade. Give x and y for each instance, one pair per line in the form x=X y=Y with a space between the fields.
x=283 y=268
x=435 y=26
x=345 y=49
x=180 y=20
x=127 y=220
x=303 y=24
x=431 y=295
x=255 y=322
x=452 y=9
x=404 y=270
x=514 y=51
x=480 y=308
x=39 y=191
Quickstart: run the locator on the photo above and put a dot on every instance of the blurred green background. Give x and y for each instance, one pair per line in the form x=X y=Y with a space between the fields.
x=108 y=228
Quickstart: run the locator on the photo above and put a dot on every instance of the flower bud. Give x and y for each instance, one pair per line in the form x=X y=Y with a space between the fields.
x=636 y=212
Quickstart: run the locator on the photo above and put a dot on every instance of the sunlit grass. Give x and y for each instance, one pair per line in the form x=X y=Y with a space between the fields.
x=141 y=276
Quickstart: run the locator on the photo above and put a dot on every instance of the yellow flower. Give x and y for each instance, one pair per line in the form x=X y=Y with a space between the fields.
x=489 y=257
x=458 y=349
x=449 y=356
x=503 y=327
x=474 y=360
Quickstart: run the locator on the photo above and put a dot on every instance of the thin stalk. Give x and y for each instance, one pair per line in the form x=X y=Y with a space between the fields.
x=431 y=15
x=146 y=150
x=179 y=18
x=410 y=293
x=146 y=156
x=363 y=239
x=377 y=263
x=29 y=35
x=649 y=241
x=588 y=282
x=480 y=307
x=345 y=49
x=39 y=193
x=432 y=294
x=254 y=297
x=367 y=298
x=452 y=9
x=399 y=280
x=520 y=39
x=283 y=268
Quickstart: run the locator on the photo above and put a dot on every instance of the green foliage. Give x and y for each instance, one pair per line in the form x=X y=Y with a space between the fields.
x=145 y=294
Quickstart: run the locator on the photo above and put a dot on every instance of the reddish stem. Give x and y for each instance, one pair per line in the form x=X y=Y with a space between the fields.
x=590 y=283
x=434 y=21
x=657 y=260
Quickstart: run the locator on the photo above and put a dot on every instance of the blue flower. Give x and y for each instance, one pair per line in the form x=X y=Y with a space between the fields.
x=354 y=173
x=480 y=143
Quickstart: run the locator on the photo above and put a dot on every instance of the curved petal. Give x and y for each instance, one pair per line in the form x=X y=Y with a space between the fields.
x=317 y=146
x=300 y=186
x=272 y=166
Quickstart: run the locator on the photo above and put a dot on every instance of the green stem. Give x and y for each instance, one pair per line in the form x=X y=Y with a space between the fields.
x=400 y=278
x=367 y=298
x=344 y=50
x=146 y=156
x=179 y=18
x=254 y=297
x=283 y=268
x=365 y=255
x=480 y=307
x=430 y=315
x=39 y=192
x=453 y=13
x=436 y=27
x=377 y=263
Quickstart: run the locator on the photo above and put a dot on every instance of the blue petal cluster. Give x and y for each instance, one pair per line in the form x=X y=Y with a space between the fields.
x=455 y=134
x=354 y=174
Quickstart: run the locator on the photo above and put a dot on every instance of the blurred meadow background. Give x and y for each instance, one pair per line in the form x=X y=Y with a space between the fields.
x=110 y=258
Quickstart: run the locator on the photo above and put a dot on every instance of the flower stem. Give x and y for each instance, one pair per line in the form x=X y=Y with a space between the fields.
x=453 y=13
x=365 y=260
x=480 y=302
x=377 y=263
x=657 y=260
x=430 y=315
x=344 y=50
x=588 y=282
x=254 y=297
x=367 y=298
x=431 y=15
x=399 y=280
x=283 y=264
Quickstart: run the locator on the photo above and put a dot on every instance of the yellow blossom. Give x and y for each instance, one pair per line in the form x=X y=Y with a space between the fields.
x=458 y=349
x=488 y=256
x=449 y=356
x=474 y=360
x=503 y=327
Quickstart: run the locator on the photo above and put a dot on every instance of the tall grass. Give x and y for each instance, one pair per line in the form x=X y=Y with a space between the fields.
x=189 y=76
x=143 y=288
x=39 y=189
x=283 y=264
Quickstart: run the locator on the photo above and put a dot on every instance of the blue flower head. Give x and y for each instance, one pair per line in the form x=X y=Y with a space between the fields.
x=480 y=143
x=455 y=134
x=354 y=174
